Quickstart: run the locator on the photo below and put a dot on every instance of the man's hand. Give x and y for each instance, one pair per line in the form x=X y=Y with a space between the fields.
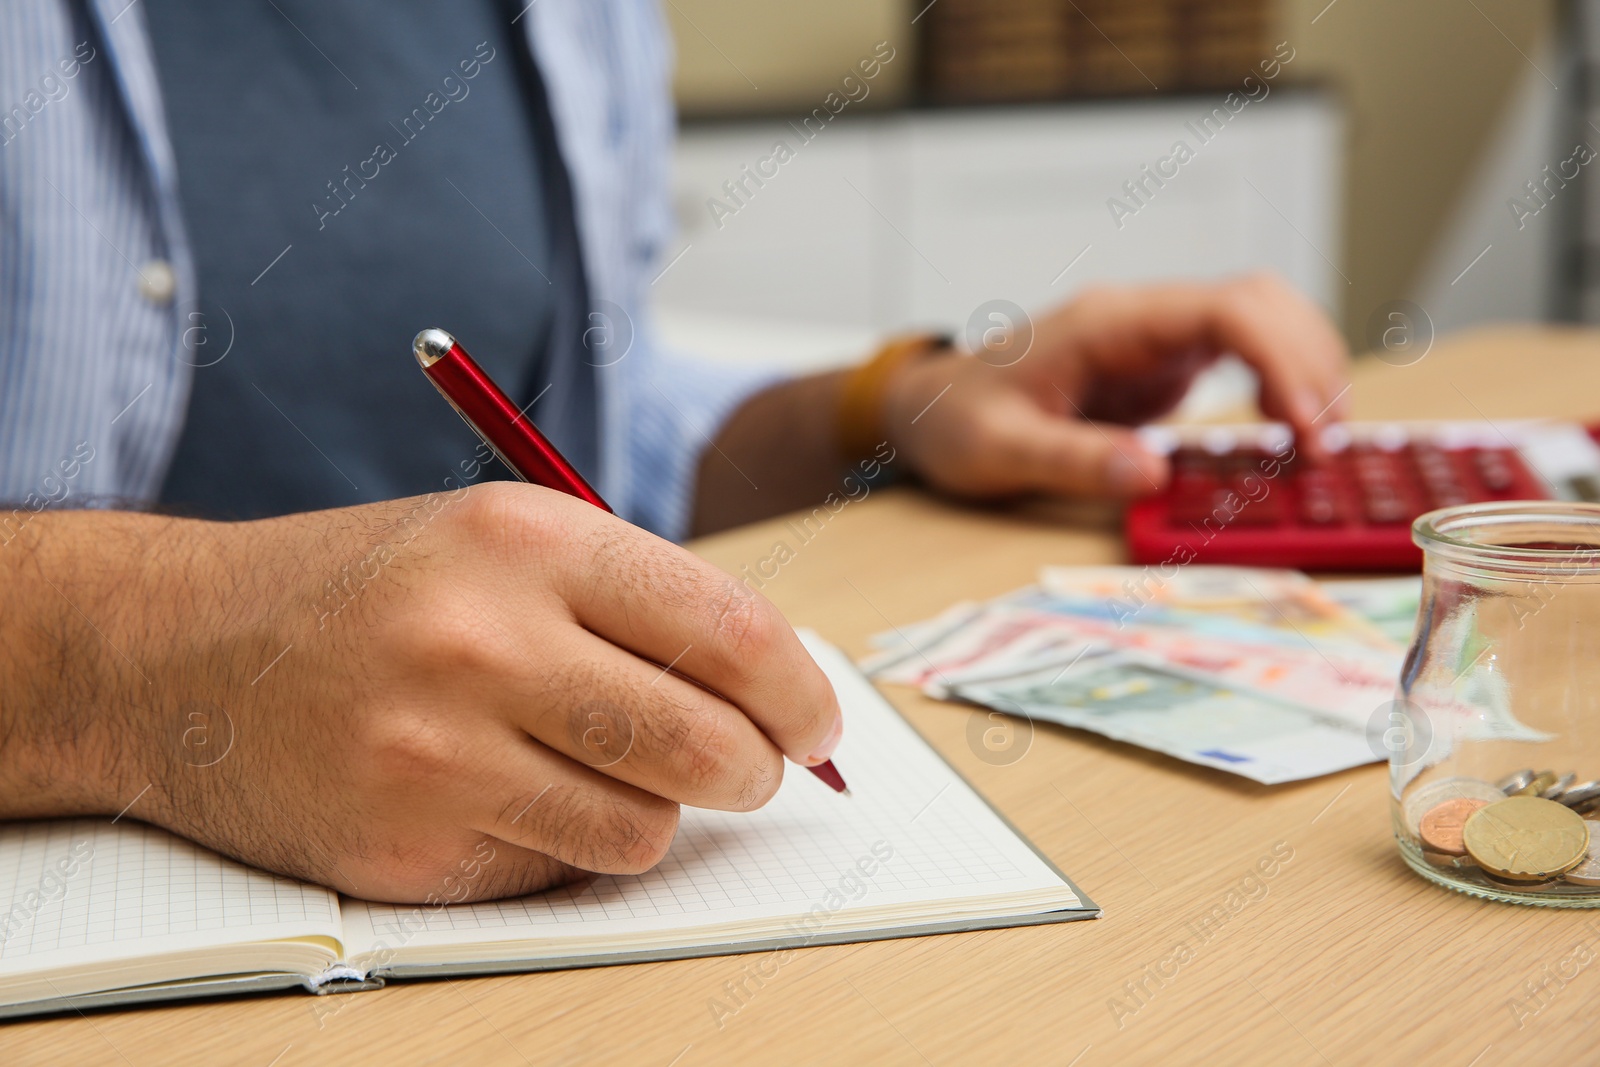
x=1056 y=419
x=361 y=698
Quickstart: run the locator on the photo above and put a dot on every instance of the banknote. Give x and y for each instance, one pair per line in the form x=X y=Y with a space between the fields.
x=1249 y=603
x=1390 y=604
x=1012 y=634
x=968 y=641
x=1155 y=705
x=1263 y=671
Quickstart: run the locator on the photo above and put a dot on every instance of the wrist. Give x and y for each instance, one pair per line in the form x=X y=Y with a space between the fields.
x=868 y=393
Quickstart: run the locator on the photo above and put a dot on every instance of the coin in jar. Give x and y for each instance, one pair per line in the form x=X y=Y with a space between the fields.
x=1588 y=872
x=1526 y=838
x=1516 y=782
x=1541 y=781
x=1521 y=887
x=1424 y=798
x=1560 y=786
x=1441 y=828
x=1581 y=795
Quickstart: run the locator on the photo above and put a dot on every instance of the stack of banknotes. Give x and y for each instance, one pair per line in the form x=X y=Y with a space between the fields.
x=1266 y=674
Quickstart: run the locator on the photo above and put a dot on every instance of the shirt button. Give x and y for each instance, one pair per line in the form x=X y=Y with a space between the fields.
x=157 y=283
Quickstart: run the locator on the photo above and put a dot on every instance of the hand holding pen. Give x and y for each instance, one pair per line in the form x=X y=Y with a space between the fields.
x=527 y=452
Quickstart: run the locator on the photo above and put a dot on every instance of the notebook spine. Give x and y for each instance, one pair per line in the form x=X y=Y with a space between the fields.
x=342 y=978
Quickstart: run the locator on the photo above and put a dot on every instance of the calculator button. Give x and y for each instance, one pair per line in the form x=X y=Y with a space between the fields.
x=1336 y=438
x=1495 y=469
x=1440 y=477
x=1319 y=509
x=1320 y=502
x=1258 y=509
x=1386 y=509
x=1390 y=438
x=1187 y=458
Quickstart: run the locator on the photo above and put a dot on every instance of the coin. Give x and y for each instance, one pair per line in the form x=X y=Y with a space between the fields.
x=1526 y=838
x=1440 y=829
x=1426 y=797
x=1580 y=794
x=1540 y=782
x=1513 y=783
x=1561 y=785
x=1588 y=872
x=1521 y=887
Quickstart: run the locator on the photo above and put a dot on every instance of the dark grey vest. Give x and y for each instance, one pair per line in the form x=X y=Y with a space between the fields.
x=351 y=172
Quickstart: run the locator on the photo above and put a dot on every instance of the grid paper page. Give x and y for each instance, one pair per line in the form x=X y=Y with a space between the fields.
x=93 y=890
x=922 y=833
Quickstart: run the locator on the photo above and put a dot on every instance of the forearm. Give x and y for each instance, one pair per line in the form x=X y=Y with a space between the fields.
x=77 y=615
x=776 y=453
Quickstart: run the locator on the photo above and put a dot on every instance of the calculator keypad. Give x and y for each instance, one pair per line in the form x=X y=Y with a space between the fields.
x=1364 y=483
x=1236 y=500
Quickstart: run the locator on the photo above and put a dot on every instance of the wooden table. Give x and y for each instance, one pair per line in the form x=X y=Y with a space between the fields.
x=1344 y=957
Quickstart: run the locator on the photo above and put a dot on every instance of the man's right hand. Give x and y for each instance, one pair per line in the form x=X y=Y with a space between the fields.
x=362 y=697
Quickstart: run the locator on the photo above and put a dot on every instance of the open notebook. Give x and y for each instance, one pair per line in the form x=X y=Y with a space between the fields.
x=103 y=913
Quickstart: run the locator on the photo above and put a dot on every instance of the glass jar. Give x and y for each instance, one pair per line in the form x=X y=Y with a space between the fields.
x=1500 y=696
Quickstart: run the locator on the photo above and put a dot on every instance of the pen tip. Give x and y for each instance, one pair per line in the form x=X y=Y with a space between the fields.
x=830 y=776
x=846 y=792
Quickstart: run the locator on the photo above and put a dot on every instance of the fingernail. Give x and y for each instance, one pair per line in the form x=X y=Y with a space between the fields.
x=824 y=751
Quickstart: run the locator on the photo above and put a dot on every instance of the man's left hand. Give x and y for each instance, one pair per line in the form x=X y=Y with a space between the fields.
x=1057 y=419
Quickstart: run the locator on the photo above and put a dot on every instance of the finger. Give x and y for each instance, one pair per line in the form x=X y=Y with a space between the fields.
x=643 y=725
x=1145 y=394
x=657 y=601
x=535 y=799
x=1300 y=359
x=1075 y=457
x=505 y=869
x=1302 y=362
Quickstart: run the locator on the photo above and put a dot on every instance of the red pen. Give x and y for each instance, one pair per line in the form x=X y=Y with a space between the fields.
x=517 y=441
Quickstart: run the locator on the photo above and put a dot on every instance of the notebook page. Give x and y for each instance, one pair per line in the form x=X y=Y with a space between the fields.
x=90 y=891
x=913 y=834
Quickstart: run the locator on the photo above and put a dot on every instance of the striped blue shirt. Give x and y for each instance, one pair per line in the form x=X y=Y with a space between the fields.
x=97 y=279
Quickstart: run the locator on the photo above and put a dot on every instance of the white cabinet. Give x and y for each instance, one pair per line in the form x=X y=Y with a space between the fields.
x=915 y=218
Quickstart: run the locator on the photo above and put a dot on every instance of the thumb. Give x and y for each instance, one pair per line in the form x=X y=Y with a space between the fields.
x=1071 y=457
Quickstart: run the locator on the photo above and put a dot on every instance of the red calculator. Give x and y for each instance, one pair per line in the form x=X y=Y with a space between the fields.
x=1242 y=494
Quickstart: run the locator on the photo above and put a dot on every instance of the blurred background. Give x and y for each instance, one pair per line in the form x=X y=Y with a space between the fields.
x=938 y=157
